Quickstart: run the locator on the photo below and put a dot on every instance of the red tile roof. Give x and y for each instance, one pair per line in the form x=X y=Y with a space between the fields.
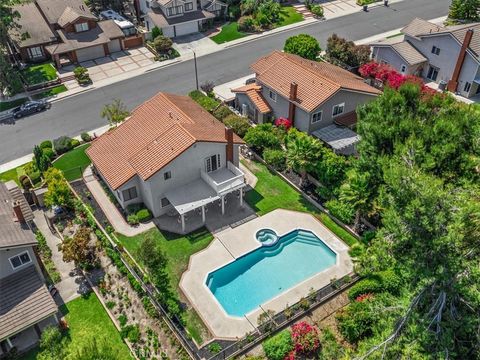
x=317 y=81
x=157 y=132
x=254 y=93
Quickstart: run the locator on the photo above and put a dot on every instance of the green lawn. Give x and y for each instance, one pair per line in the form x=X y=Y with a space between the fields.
x=229 y=32
x=87 y=319
x=178 y=250
x=53 y=91
x=37 y=74
x=7 y=105
x=272 y=192
x=289 y=16
x=73 y=163
x=10 y=175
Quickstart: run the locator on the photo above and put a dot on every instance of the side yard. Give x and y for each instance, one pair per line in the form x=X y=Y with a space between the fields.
x=87 y=320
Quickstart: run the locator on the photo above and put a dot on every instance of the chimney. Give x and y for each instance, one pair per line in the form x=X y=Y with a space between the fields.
x=453 y=83
x=291 y=106
x=18 y=211
x=229 y=149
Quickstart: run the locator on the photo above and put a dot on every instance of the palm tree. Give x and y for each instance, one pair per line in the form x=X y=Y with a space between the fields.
x=116 y=112
x=302 y=152
x=355 y=192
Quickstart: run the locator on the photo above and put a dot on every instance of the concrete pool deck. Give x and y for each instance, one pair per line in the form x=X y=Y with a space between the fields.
x=236 y=242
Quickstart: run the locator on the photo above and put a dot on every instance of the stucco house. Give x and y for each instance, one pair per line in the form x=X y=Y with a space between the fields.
x=172 y=156
x=26 y=306
x=180 y=17
x=63 y=30
x=314 y=95
x=447 y=54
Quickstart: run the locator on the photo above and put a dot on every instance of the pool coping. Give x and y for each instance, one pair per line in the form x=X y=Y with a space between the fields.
x=231 y=244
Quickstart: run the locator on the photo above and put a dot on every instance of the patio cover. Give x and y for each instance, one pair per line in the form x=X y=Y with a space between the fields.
x=191 y=196
x=341 y=139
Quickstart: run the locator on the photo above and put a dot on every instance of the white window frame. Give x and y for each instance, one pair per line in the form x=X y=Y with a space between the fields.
x=22 y=263
x=35 y=52
x=341 y=105
x=189 y=3
x=208 y=163
x=128 y=191
x=167 y=175
x=81 y=27
x=167 y=202
x=318 y=115
x=435 y=50
x=433 y=68
x=469 y=85
x=403 y=68
x=272 y=95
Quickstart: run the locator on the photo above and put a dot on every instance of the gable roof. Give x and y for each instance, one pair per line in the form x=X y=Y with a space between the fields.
x=254 y=93
x=404 y=49
x=12 y=233
x=24 y=302
x=419 y=26
x=55 y=9
x=317 y=81
x=32 y=29
x=156 y=133
x=69 y=15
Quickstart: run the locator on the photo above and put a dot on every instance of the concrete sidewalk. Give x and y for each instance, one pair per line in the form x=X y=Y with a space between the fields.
x=73 y=284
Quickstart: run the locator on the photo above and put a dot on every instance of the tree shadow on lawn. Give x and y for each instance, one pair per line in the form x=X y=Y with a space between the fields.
x=37 y=75
x=192 y=238
x=253 y=197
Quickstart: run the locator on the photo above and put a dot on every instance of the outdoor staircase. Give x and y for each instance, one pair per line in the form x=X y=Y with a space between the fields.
x=302 y=9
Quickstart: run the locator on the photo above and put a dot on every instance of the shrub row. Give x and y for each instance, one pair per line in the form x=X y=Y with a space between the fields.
x=385 y=281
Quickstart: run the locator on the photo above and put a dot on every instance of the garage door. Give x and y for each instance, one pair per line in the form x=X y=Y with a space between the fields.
x=185 y=29
x=90 y=53
x=168 y=31
x=114 y=46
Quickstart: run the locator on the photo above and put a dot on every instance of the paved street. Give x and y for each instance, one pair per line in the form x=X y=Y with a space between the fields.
x=80 y=113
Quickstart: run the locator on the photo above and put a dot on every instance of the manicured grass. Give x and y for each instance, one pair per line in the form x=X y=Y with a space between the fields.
x=178 y=250
x=87 y=319
x=37 y=74
x=53 y=91
x=207 y=102
x=289 y=16
x=10 y=175
x=7 y=105
x=272 y=192
x=229 y=32
x=73 y=163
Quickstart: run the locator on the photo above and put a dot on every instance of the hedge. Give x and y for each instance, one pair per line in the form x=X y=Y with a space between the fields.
x=144 y=215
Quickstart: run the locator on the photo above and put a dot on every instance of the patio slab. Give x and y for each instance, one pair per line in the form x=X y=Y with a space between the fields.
x=237 y=242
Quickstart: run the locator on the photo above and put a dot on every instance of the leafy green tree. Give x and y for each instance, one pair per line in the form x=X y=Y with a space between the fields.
x=263 y=136
x=345 y=53
x=302 y=152
x=303 y=45
x=355 y=192
x=115 y=113
x=78 y=249
x=467 y=10
x=162 y=44
x=239 y=124
x=41 y=159
x=51 y=344
x=58 y=193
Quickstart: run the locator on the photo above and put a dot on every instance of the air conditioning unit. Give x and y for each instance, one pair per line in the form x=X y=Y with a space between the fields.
x=244 y=110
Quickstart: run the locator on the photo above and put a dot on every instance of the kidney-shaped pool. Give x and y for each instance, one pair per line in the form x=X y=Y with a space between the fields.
x=255 y=278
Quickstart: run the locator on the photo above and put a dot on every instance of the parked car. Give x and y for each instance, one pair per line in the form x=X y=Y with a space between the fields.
x=30 y=107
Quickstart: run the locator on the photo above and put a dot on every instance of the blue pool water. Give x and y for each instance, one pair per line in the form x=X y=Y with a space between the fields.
x=244 y=284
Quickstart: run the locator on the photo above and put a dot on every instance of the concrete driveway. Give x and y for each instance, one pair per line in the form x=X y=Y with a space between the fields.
x=117 y=63
x=198 y=42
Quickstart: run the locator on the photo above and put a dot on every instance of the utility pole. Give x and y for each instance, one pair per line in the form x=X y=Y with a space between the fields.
x=196 y=72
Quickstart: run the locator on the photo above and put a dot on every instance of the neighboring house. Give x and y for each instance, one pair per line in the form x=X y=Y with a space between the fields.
x=180 y=17
x=26 y=306
x=313 y=95
x=63 y=30
x=171 y=155
x=447 y=54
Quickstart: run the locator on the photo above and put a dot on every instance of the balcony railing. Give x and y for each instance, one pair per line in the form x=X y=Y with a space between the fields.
x=224 y=179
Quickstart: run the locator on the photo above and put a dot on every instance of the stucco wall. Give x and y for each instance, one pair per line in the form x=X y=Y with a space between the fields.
x=388 y=55
x=6 y=268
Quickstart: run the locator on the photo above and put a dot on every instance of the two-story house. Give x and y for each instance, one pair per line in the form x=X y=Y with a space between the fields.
x=313 y=95
x=440 y=54
x=171 y=155
x=64 y=30
x=26 y=306
x=180 y=17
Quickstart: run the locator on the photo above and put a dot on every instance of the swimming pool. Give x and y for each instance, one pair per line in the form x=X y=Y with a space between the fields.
x=253 y=279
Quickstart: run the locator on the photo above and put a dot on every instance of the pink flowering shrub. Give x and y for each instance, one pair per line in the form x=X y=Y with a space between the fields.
x=364 y=297
x=283 y=122
x=305 y=338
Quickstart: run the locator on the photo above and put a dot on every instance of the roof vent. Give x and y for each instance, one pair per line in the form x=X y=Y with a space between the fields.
x=170 y=114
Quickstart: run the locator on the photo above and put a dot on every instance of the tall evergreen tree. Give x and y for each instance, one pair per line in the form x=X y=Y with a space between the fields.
x=468 y=10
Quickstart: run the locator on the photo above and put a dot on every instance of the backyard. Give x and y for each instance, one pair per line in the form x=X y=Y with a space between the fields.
x=87 y=319
x=230 y=32
x=37 y=74
x=73 y=163
x=178 y=250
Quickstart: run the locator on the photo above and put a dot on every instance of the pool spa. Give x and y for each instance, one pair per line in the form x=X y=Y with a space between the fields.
x=260 y=275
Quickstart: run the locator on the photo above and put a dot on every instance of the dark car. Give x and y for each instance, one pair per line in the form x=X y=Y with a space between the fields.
x=30 y=107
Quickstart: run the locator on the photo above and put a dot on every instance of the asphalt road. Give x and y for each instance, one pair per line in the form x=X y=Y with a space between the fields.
x=80 y=113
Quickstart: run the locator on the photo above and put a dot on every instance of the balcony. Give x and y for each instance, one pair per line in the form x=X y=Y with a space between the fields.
x=225 y=179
